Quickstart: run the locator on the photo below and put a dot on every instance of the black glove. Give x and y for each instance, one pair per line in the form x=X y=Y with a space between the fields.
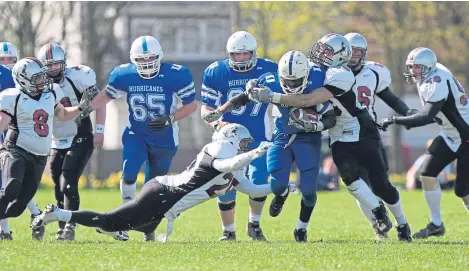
x=386 y=122
x=160 y=123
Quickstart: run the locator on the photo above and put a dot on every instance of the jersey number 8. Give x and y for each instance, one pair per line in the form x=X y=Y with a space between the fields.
x=149 y=105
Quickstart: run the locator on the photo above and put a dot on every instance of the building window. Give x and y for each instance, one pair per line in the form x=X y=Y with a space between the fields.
x=190 y=37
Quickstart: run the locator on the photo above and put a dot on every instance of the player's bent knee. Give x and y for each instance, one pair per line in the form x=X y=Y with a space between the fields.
x=349 y=174
x=429 y=183
x=461 y=189
x=310 y=200
x=12 y=190
x=226 y=205
x=260 y=199
x=15 y=209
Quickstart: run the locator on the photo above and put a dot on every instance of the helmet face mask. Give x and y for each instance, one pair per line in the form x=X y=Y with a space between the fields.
x=146 y=53
x=322 y=53
x=332 y=50
x=239 y=45
x=54 y=58
x=30 y=76
x=419 y=64
x=359 y=49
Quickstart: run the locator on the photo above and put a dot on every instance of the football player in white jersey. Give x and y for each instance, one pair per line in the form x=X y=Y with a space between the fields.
x=355 y=141
x=218 y=168
x=445 y=102
x=9 y=55
x=28 y=108
x=72 y=141
x=372 y=79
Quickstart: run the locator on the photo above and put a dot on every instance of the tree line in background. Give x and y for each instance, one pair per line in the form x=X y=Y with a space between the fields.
x=391 y=28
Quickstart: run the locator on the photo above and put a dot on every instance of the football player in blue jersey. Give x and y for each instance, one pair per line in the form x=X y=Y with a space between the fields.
x=154 y=89
x=223 y=80
x=8 y=58
x=291 y=142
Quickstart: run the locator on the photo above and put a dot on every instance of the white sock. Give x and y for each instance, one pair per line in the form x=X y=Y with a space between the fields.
x=367 y=213
x=254 y=218
x=4 y=226
x=467 y=207
x=128 y=191
x=433 y=199
x=360 y=190
x=229 y=228
x=397 y=212
x=64 y=215
x=32 y=207
x=301 y=225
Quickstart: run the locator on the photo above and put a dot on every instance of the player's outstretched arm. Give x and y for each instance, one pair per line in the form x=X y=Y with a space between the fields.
x=239 y=161
x=329 y=119
x=319 y=95
x=66 y=113
x=249 y=188
x=209 y=115
x=100 y=100
x=424 y=117
x=394 y=102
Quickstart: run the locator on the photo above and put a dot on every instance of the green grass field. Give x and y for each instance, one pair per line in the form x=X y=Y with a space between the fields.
x=339 y=239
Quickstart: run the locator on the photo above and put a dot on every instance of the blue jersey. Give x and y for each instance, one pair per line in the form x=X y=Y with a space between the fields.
x=149 y=98
x=220 y=83
x=6 y=78
x=272 y=80
x=6 y=81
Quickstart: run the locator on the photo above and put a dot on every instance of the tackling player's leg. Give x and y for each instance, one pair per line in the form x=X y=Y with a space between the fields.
x=158 y=164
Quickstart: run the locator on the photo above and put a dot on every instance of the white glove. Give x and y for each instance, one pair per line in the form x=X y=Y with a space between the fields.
x=291 y=187
x=262 y=148
x=212 y=116
x=260 y=94
x=250 y=85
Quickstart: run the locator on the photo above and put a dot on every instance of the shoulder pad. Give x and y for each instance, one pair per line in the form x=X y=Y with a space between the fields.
x=82 y=76
x=340 y=77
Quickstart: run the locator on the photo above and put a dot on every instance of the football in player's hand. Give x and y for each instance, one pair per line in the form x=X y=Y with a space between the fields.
x=305 y=114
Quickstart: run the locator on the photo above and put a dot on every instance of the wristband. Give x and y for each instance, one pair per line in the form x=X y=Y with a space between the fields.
x=99 y=128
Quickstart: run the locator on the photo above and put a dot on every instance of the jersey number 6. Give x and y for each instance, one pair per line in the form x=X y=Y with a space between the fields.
x=149 y=105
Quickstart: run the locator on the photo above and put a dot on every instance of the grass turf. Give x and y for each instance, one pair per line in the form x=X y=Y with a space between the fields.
x=339 y=239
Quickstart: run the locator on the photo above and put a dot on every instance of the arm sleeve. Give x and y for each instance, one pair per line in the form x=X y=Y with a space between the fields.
x=422 y=118
x=186 y=88
x=393 y=101
x=247 y=187
x=114 y=87
x=328 y=120
x=209 y=95
x=235 y=163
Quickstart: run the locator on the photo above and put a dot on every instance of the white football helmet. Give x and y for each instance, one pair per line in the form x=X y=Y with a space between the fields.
x=293 y=71
x=236 y=134
x=51 y=54
x=241 y=42
x=146 y=53
x=30 y=76
x=9 y=54
x=332 y=50
x=357 y=41
x=424 y=57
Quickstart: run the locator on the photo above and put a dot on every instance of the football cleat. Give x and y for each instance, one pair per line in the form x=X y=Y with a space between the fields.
x=149 y=237
x=37 y=233
x=379 y=235
x=276 y=205
x=403 y=233
x=6 y=236
x=301 y=235
x=255 y=232
x=49 y=215
x=430 y=230
x=117 y=235
x=228 y=236
x=383 y=222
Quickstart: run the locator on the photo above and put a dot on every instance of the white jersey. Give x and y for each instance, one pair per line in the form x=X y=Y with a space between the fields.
x=371 y=80
x=31 y=119
x=347 y=128
x=76 y=81
x=201 y=182
x=454 y=116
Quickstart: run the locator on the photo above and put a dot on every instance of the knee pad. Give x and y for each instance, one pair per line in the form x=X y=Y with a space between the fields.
x=226 y=205
x=349 y=174
x=261 y=199
x=429 y=183
x=461 y=189
x=310 y=200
